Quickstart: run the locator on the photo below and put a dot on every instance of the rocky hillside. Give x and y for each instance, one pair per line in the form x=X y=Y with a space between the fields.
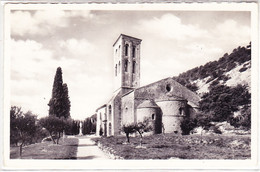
x=230 y=70
x=224 y=87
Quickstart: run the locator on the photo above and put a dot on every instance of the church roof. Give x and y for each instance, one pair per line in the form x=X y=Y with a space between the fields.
x=159 y=90
x=148 y=104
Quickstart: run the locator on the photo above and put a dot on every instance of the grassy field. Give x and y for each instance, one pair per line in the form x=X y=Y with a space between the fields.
x=66 y=149
x=181 y=147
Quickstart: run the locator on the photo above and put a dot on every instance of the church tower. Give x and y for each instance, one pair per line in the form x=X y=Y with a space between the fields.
x=126 y=63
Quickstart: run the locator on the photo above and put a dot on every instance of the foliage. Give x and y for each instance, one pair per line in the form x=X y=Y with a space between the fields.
x=144 y=126
x=59 y=103
x=140 y=127
x=244 y=119
x=187 y=125
x=215 y=70
x=66 y=101
x=222 y=101
x=55 y=126
x=199 y=120
x=22 y=127
x=73 y=127
x=89 y=125
x=128 y=129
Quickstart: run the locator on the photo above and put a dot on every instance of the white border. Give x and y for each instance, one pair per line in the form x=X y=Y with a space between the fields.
x=136 y=164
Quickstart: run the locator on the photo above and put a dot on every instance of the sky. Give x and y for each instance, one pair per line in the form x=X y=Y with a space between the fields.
x=80 y=42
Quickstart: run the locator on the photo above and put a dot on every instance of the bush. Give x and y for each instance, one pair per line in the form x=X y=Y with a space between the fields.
x=243 y=69
x=187 y=125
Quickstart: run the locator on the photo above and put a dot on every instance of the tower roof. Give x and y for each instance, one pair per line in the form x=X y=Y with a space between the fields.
x=123 y=35
x=148 y=104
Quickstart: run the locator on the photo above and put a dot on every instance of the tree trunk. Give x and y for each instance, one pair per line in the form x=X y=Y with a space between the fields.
x=201 y=135
x=141 y=138
x=52 y=138
x=127 y=136
x=58 y=138
x=21 y=149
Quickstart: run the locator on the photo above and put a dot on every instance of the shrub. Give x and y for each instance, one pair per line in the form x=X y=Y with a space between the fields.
x=243 y=69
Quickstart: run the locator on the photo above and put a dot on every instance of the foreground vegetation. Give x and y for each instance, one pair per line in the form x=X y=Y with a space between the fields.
x=170 y=146
x=66 y=149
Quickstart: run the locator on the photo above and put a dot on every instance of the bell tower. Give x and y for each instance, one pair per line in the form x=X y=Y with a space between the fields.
x=126 y=63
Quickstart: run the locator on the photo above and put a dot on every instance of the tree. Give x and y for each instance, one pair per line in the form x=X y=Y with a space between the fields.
x=141 y=127
x=66 y=101
x=55 y=126
x=59 y=103
x=22 y=127
x=128 y=129
x=203 y=121
x=187 y=125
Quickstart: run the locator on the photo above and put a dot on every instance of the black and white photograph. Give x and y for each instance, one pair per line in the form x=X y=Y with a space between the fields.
x=109 y=83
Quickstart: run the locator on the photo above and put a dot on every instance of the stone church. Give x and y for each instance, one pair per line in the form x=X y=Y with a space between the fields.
x=164 y=102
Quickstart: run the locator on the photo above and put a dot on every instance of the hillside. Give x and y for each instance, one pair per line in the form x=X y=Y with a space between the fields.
x=229 y=70
x=224 y=87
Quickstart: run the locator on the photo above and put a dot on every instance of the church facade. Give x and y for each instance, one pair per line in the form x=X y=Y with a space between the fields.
x=165 y=102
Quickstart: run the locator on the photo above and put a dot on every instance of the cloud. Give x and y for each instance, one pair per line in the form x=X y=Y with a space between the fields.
x=232 y=33
x=169 y=26
x=79 y=47
x=43 y=22
x=33 y=69
x=28 y=58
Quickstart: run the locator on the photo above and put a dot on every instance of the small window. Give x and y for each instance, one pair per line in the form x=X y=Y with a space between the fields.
x=109 y=112
x=109 y=109
x=134 y=66
x=168 y=87
x=119 y=68
x=126 y=65
x=119 y=51
x=126 y=49
x=180 y=111
x=116 y=70
x=133 y=51
x=153 y=116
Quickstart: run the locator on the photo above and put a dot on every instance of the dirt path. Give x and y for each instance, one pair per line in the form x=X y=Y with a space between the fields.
x=88 y=150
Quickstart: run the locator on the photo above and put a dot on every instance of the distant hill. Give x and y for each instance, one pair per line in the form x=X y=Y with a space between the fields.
x=224 y=87
x=230 y=70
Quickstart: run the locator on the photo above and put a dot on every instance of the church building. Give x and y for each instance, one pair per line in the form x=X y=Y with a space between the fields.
x=164 y=102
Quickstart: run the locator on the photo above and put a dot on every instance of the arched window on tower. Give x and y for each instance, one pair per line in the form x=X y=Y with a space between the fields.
x=126 y=49
x=133 y=51
x=116 y=70
x=134 y=66
x=126 y=65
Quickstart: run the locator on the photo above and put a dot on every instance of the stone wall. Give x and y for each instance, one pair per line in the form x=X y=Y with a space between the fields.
x=128 y=109
x=101 y=120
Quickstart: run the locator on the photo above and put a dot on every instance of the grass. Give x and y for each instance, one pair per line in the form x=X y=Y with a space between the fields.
x=66 y=149
x=181 y=147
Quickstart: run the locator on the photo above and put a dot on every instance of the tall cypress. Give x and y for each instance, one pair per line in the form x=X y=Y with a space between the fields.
x=66 y=101
x=59 y=104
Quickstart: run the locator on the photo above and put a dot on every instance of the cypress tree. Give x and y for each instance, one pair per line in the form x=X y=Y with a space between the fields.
x=59 y=103
x=66 y=102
